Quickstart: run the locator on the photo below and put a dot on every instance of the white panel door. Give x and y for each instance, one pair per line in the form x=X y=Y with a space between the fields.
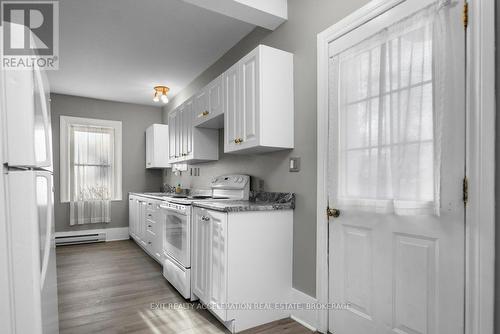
x=250 y=101
x=201 y=254
x=141 y=222
x=172 y=136
x=231 y=105
x=131 y=215
x=218 y=262
x=398 y=271
x=201 y=109
x=214 y=91
x=187 y=120
x=149 y=147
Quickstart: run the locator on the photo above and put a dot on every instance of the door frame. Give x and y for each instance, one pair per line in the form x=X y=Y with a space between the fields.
x=480 y=159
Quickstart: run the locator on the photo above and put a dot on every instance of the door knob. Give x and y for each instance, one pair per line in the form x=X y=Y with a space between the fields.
x=332 y=212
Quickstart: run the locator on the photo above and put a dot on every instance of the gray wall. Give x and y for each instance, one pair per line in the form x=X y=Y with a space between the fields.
x=298 y=35
x=135 y=119
x=497 y=179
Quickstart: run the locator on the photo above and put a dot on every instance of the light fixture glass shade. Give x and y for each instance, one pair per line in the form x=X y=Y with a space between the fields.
x=161 y=94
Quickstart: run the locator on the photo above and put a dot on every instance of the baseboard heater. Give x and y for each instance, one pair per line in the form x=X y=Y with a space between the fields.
x=80 y=239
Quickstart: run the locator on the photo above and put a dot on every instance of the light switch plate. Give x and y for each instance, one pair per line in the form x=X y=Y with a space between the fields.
x=294 y=164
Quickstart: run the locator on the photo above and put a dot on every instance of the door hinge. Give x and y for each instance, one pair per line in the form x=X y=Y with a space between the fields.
x=465 y=190
x=465 y=14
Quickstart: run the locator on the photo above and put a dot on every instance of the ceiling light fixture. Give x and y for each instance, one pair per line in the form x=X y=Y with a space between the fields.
x=161 y=94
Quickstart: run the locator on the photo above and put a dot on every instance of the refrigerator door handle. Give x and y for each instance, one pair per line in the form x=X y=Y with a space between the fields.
x=46 y=120
x=48 y=232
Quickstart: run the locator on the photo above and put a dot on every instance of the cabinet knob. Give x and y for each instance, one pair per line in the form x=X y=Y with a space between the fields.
x=149 y=242
x=205 y=113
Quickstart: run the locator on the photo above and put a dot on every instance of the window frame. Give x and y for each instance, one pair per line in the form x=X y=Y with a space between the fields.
x=65 y=153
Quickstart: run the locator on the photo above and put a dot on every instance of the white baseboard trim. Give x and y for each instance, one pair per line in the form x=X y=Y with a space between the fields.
x=305 y=317
x=112 y=234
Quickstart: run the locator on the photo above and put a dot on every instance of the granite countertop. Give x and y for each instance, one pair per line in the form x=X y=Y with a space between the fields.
x=258 y=201
x=153 y=195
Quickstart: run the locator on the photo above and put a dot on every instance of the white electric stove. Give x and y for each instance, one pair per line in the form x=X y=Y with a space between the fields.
x=177 y=226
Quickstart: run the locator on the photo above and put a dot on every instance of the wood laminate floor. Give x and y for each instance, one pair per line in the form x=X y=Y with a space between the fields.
x=115 y=287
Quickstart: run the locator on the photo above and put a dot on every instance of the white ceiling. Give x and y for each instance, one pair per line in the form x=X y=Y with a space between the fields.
x=119 y=49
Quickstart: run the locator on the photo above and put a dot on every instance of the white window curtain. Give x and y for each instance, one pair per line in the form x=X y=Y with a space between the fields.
x=91 y=174
x=389 y=97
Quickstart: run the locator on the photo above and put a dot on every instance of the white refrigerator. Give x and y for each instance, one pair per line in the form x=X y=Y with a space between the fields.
x=28 y=279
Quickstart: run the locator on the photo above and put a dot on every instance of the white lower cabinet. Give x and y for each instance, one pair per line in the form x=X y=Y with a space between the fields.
x=145 y=219
x=209 y=262
x=242 y=260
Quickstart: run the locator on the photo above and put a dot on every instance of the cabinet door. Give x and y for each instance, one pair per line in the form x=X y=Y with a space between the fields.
x=131 y=215
x=214 y=92
x=149 y=147
x=230 y=86
x=201 y=109
x=172 y=140
x=141 y=223
x=201 y=254
x=180 y=132
x=218 y=262
x=157 y=229
x=187 y=120
x=249 y=102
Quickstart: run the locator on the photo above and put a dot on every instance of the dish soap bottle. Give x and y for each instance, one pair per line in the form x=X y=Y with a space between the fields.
x=178 y=189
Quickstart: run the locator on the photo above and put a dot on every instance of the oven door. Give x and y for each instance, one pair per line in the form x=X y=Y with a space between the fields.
x=176 y=235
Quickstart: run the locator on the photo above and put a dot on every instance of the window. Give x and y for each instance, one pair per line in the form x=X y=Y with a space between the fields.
x=90 y=159
x=388 y=120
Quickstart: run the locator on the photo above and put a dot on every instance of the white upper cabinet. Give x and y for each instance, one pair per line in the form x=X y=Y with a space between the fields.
x=252 y=101
x=172 y=142
x=231 y=97
x=258 y=102
x=208 y=106
x=191 y=144
x=157 y=146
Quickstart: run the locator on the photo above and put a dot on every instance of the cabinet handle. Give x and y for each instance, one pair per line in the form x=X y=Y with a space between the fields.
x=150 y=226
x=206 y=112
x=238 y=141
x=205 y=219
